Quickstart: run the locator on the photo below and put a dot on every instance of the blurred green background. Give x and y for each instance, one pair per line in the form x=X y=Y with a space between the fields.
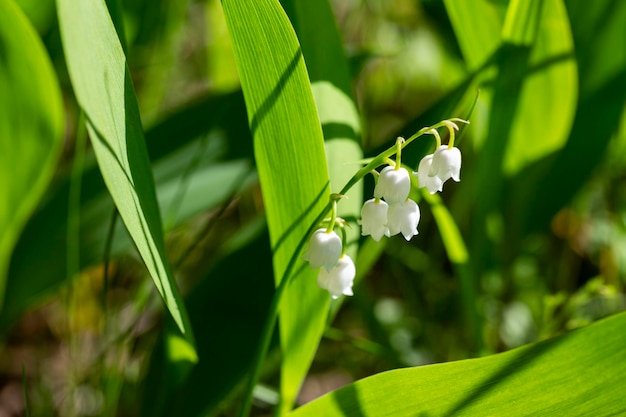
x=540 y=208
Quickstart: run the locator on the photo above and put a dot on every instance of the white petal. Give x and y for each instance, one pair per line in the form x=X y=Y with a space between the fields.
x=340 y=279
x=324 y=249
x=434 y=183
x=374 y=218
x=404 y=218
x=446 y=164
x=393 y=185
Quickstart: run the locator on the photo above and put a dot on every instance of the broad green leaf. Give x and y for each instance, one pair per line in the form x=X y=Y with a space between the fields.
x=522 y=21
x=31 y=128
x=289 y=151
x=579 y=373
x=597 y=30
x=534 y=96
x=548 y=98
x=477 y=25
x=328 y=70
x=97 y=67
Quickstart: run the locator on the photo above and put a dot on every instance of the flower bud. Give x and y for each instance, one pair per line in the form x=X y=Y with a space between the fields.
x=393 y=185
x=338 y=280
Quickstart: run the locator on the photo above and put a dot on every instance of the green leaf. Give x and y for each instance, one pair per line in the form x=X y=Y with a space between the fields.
x=103 y=87
x=477 y=25
x=459 y=257
x=289 y=151
x=597 y=30
x=548 y=97
x=328 y=69
x=522 y=21
x=579 y=373
x=450 y=234
x=31 y=129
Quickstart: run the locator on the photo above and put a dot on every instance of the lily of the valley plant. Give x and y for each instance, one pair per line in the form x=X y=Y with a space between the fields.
x=389 y=213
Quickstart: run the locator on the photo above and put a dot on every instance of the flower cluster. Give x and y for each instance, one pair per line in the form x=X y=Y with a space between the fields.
x=388 y=213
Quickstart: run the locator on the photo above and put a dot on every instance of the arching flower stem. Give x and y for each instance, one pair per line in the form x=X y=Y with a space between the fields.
x=435 y=133
x=274 y=309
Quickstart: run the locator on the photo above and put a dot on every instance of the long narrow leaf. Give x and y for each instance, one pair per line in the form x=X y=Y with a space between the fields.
x=99 y=74
x=328 y=69
x=289 y=152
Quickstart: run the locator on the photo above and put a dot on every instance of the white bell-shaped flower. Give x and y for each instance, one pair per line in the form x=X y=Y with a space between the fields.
x=374 y=218
x=446 y=164
x=324 y=249
x=393 y=185
x=432 y=183
x=338 y=280
x=403 y=218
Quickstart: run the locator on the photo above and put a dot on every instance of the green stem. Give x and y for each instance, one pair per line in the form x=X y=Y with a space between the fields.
x=344 y=240
x=435 y=133
x=399 y=143
x=274 y=309
x=333 y=216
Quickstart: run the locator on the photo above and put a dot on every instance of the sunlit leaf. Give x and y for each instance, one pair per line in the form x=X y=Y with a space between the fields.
x=548 y=98
x=597 y=32
x=289 y=152
x=97 y=67
x=477 y=25
x=572 y=374
x=328 y=70
x=31 y=128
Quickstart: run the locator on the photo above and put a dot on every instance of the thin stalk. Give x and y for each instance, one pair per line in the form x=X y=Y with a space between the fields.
x=333 y=216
